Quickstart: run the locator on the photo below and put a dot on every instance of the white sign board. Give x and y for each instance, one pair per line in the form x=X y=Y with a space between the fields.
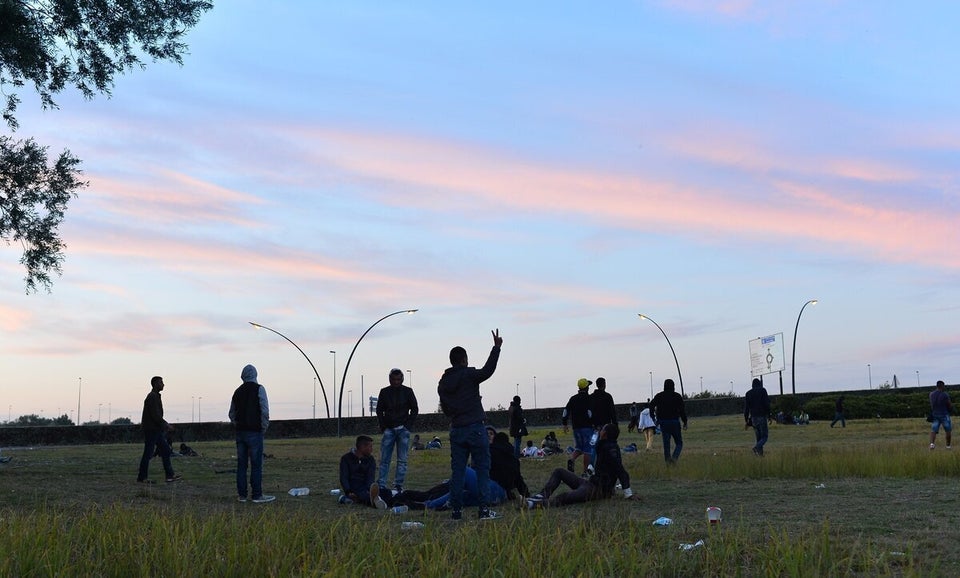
x=766 y=355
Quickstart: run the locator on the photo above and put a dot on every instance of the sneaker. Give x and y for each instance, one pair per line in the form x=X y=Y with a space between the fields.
x=174 y=478
x=457 y=515
x=264 y=499
x=241 y=498
x=344 y=499
x=533 y=504
x=538 y=497
x=949 y=448
x=487 y=514
x=375 y=498
x=397 y=489
x=569 y=465
x=590 y=469
x=932 y=446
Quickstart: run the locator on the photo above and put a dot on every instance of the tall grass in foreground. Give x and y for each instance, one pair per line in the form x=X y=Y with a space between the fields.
x=119 y=541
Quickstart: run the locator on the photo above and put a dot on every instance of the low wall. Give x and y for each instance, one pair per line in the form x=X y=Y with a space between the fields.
x=351 y=427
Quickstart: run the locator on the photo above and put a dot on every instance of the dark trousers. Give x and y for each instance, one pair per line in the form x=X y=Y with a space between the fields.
x=670 y=428
x=155 y=443
x=581 y=489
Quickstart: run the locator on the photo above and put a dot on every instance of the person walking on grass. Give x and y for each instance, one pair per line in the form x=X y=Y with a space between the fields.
x=155 y=430
x=756 y=411
x=250 y=415
x=580 y=416
x=459 y=391
x=396 y=411
x=668 y=410
x=647 y=425
x=608 y=470
x=838 y=414
x=940 y=409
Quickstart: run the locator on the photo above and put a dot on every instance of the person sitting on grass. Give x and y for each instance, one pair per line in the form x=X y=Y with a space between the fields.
x=358 y=476
x=608 y=469
x=551 y=445
x=531 y=451
x=416 y=444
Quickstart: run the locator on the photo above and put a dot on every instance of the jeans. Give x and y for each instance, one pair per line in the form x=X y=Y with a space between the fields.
x=470 y=440
x=250 y=450
x=838 y=417
x=398 y=437
x=670 y=428
x=516 y=446
x=155 y=442
x=762 y=430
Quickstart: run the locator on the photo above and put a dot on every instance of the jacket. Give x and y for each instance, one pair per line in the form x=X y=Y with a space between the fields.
x=505 y=467
x=756 y=403
x=396 y=406
x=249 y=409
x=152 y=420
x=357 y=473
x=459 y=391
x=668 y=405
x=609 y=468
x=518 y=425
x=603 y=408
x=578 y=411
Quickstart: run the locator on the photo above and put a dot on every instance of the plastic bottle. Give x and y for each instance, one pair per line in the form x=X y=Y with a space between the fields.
x=299 y=491
x=399 y=509
x=335 y=492
x=411 y=525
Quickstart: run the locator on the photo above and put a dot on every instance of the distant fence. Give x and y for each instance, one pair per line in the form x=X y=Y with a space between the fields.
x=354 y=426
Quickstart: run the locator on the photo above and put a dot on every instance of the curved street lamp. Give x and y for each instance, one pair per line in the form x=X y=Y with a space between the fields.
x=343 y=379
x=642 y=316
x=258 y=326
x=793 y=360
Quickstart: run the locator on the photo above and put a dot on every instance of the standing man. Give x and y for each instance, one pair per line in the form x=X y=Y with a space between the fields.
x=250 y=416
x=838 y=415
x=634 y=418
x=668 y=409
x=940 y=408
x=517 y=424
x=459 y=391
x=580 y=416
x=155 y=429
x=396 y=411
x=756 y=411
x=602 y=406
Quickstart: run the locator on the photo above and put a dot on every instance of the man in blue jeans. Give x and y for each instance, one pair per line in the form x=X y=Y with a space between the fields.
x=459 y=391
x=668 y=410
x=396 y=411
x=940 y=408
x=756 y=411
x=250 y=415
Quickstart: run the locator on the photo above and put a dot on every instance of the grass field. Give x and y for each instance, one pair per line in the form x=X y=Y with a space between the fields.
x=868 y=500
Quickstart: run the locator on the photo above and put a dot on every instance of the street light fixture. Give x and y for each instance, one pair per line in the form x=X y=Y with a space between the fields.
x=793 y=360
x=679 y=375
x=258 y=326
x=343 y=378
x=334 y=353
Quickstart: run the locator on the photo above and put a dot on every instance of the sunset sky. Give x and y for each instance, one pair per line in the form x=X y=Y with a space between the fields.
x=550 y=169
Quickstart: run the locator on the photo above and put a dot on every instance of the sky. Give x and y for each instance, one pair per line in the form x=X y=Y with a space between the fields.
x=548 y=169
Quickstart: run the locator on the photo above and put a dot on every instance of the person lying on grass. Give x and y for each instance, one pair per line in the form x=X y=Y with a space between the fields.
x=608 y=469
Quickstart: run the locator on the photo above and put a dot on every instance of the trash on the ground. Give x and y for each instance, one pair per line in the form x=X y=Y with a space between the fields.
x=411 y=525
x=662 y=521
x=335 y=492
x=820 y=486
x=898 y=553
x=299 y=491
x=696 y=544
x=714 y=515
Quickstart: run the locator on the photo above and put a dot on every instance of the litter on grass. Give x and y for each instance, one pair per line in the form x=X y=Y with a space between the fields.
x=662 y=521
x=696 y=544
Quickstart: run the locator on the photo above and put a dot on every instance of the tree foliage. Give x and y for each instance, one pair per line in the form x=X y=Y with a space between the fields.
x=52 y=45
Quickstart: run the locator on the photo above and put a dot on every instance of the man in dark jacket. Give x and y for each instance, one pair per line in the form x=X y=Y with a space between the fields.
x=602 y=406
x=396 y=411
x=505 y=467
x=517 y=424
x=580 y=416
x=154 y=434
x=459 y=391
x=600 y=485
x=668 y=410
x=756 y=411
x=250 y=415
x=358 y=472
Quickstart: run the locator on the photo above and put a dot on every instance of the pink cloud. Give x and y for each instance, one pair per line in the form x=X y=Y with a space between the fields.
x=13 y=319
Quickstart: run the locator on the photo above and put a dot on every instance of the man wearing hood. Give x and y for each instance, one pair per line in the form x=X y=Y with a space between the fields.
x=250 y=416
x=756 y=410
x=459 y=391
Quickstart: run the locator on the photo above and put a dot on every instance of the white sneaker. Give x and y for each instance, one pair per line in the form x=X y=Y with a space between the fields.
x=933 y=446
x=264 y=499
x=375 y=498
x=949 y=448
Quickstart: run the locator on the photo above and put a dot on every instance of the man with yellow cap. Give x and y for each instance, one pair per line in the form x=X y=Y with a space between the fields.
x=578 y=414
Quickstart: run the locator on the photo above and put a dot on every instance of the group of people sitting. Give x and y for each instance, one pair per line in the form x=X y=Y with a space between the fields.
x=358 y=477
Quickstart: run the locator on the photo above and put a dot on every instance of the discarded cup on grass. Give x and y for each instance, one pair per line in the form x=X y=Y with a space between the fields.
x=820 y=486
x=411 y=525
x=335 y=492
x=299 y=491
x=714 y=515
x=662 y=521
x=686 y=547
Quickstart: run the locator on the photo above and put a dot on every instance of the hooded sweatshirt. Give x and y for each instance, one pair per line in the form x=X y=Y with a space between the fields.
x=459 y=391
x=756 y=403
x=249 y=409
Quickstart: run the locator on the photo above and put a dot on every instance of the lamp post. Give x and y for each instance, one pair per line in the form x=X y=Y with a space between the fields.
x=701 y=385
x=258 y=326
x=193 y=411
x=534 y=392
x=918 y=378
x=651 y=385
x=410 y=378
x=679 y=375
x=199 y=416
x=793 y=360
x=350 y=402
x=79 y=390
x=99 y=413
x=869 y=377
x=334 y=353
x=343 y=378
